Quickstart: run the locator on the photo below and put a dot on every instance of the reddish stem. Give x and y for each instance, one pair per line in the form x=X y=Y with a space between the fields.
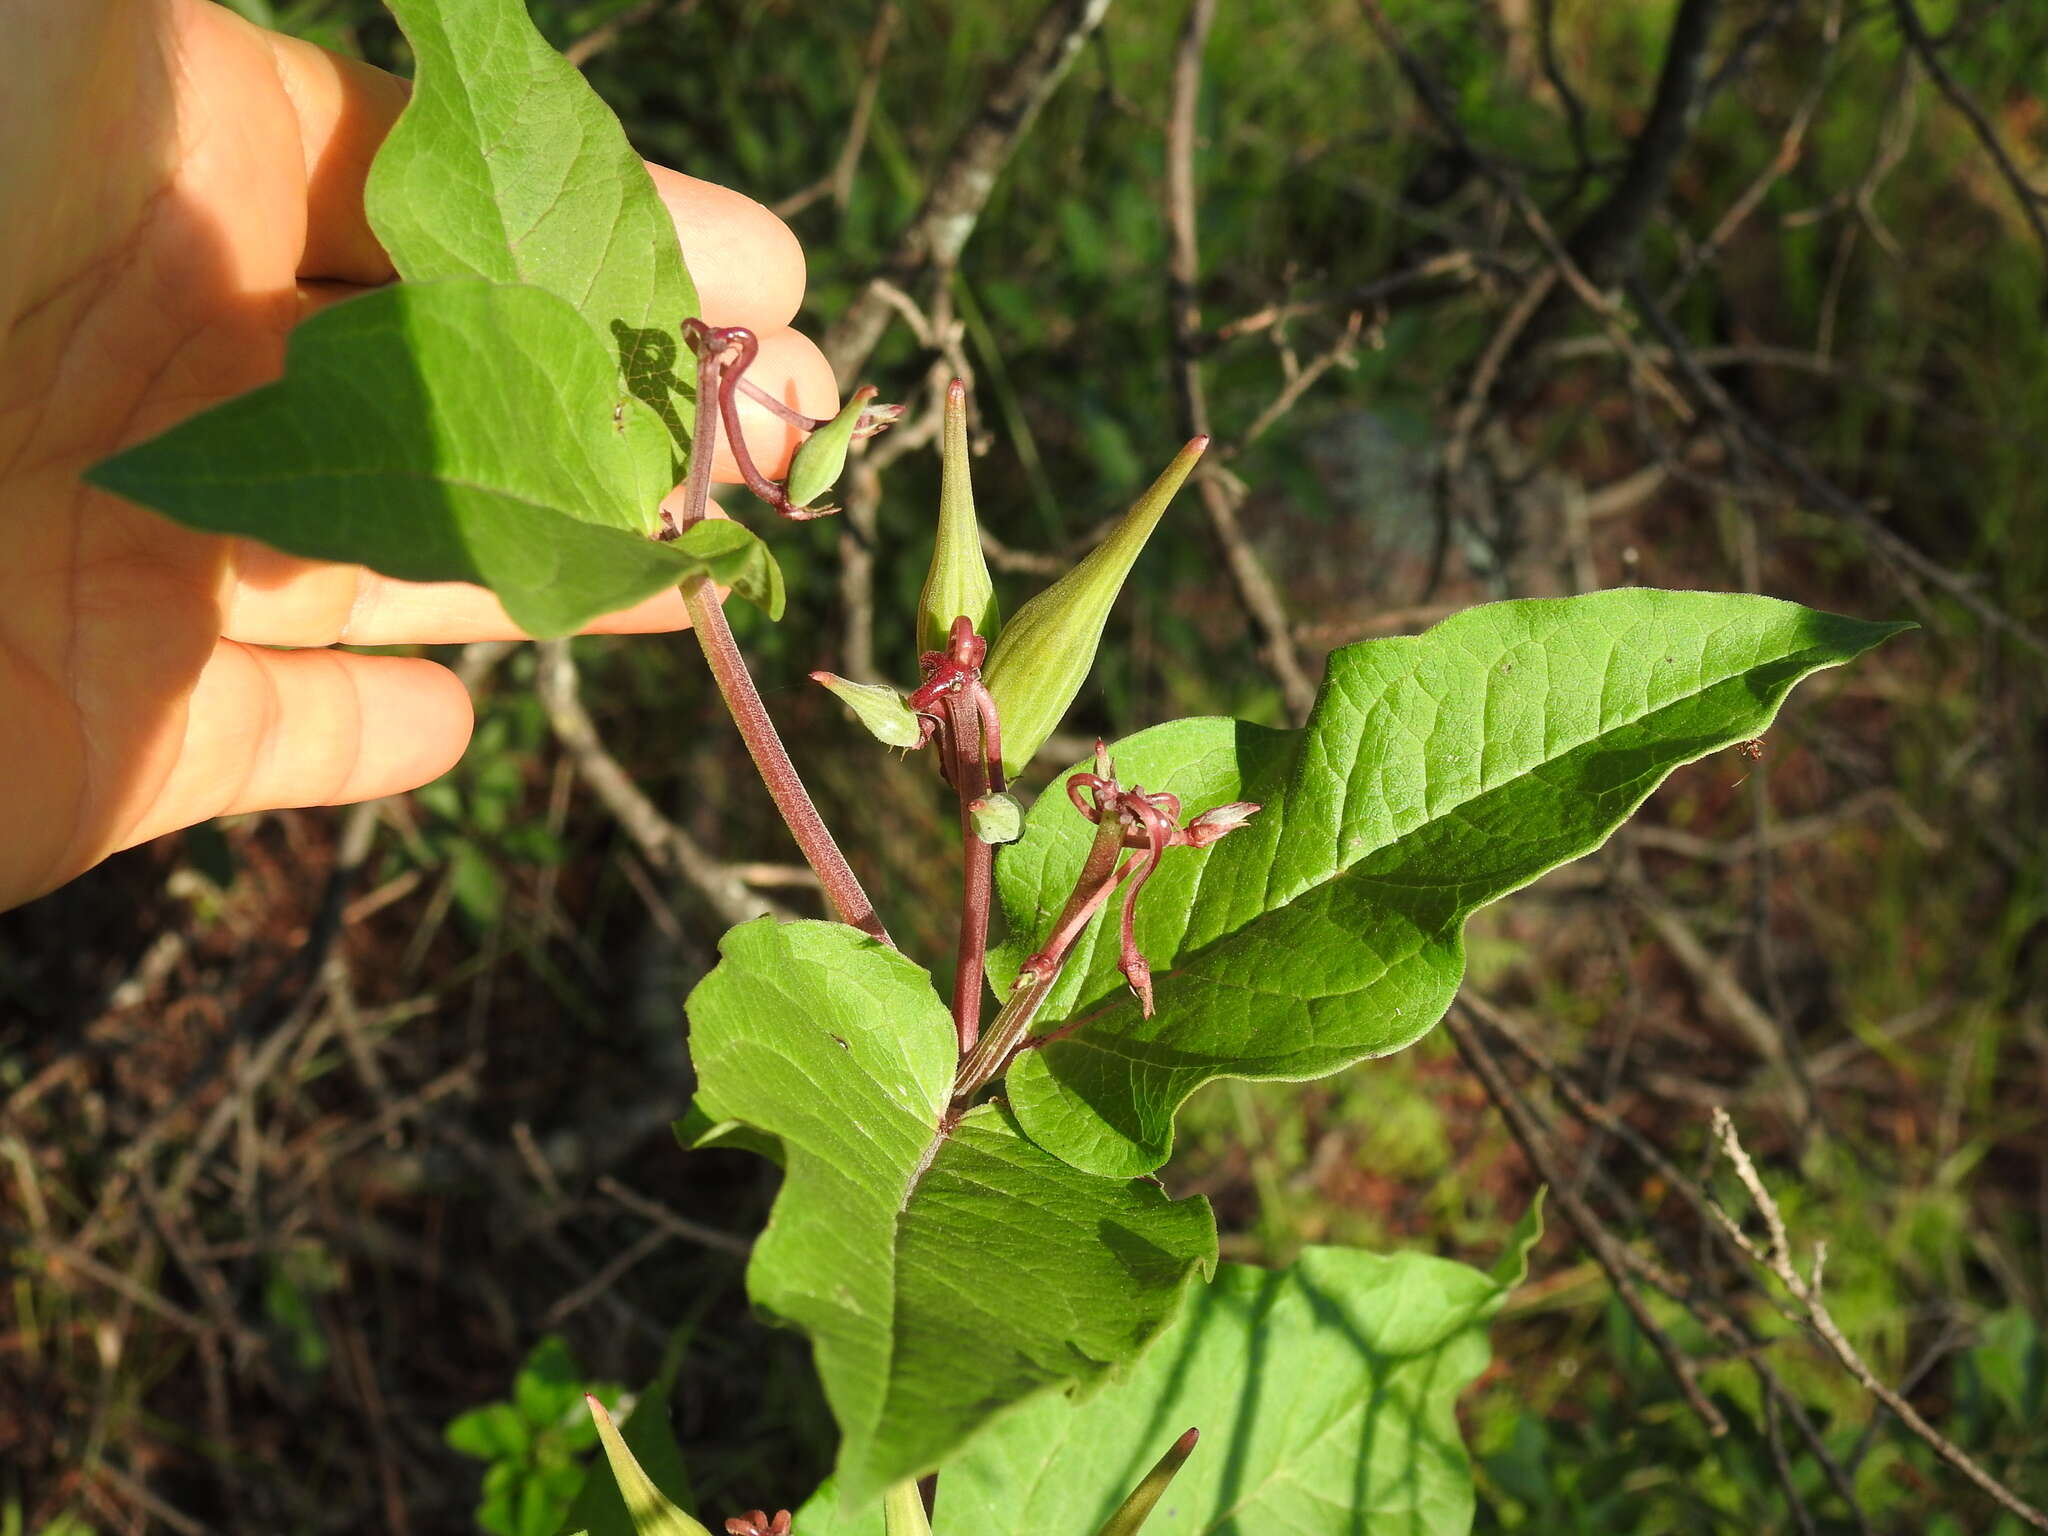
x=967 y=769
x=1011 y=1026
x=736 y=686
x=788 y=413
x=729 y=411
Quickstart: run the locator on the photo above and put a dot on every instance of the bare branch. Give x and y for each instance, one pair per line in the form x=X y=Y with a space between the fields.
x=2030 y=198
x=1894 y=550
x=1601 y=1243
x=960 y=190
x=1255 y=589
x=667 y=845
x=1605 y=243
x=1775 y=1258
x=602 y=36
x=838 y=182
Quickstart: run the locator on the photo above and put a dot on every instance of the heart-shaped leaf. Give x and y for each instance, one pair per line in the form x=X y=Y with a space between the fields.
x=1437 y=773
x=506 y=165
x=448 y=431
x=944 y=1274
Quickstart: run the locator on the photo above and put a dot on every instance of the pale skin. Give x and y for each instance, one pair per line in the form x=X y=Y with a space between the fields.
x=182 y=188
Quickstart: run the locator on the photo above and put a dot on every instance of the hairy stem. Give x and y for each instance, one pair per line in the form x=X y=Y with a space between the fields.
x=736 y=686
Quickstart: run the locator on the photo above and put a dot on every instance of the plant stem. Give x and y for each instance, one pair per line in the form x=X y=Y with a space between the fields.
x=1007 y=1032
x=788 y=413
x=785 y=787
x=742 y=698
x=967 y=766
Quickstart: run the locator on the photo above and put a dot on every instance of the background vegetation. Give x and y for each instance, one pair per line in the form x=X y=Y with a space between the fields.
x=314 y=1124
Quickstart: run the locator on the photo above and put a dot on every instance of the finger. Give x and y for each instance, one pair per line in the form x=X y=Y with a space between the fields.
x=265 y=730
x=278 y=599
x=345 y=108
x=747 y=264
x=269 y=598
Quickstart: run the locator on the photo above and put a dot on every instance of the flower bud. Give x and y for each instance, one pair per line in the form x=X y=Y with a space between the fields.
x=878 y=708
x=1042 y=659
x=820 y=457
x=1211 y=827
x=958 y=582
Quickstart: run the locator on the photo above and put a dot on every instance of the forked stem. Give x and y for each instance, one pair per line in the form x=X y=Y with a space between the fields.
x=736 y=685
x=1011 y=1026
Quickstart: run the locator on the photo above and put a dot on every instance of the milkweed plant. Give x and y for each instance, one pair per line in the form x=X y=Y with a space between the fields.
x=970 y=1231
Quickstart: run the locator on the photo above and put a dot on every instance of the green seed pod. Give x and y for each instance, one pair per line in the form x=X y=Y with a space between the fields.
x=821 y=456
x=1131 y=1513
x=651 y=1512
x=1038 y=666
x=958 y=582
x=880 y=709
x=903 y=1511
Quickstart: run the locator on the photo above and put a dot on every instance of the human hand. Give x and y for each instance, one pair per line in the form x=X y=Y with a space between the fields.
x=186 y=188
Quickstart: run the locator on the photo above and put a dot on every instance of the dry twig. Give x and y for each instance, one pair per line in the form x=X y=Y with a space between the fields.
x=1774 y=1256
x=1255 y=589
x=660 y=839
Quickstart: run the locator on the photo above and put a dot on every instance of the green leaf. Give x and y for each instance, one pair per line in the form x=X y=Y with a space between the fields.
x=942 y=1276
x=1325 y=1393
x=1437 y=773
x=1037 y=666
x=880 y=709
x=998 y=818
x=449 y=431
x=733 y=555
x=505 y=165
x=549 y=1384
x=494 y=1432
x=824 y=1514
x=649 y=1508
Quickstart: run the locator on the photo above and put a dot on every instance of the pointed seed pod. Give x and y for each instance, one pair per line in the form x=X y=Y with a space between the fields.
x=880 y=709
x=652 y=1514
x=1131 y=1514
x=821 y=456
x=958 y=582
x=1045 y=655
x=903 y=1511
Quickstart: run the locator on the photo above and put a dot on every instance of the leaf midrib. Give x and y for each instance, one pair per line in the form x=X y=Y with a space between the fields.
x=1093 y=938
